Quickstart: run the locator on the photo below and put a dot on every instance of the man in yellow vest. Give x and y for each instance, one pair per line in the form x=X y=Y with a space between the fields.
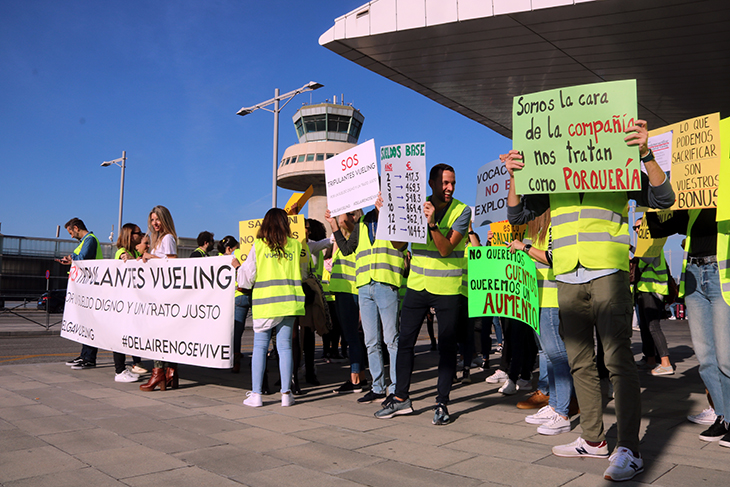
x=435 y=280
x=88 y=248
x=591 y=262
x=378 y=274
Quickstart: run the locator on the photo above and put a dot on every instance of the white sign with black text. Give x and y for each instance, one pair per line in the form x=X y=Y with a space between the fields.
x=176 y=310
x=403 y=189
x=352 y=179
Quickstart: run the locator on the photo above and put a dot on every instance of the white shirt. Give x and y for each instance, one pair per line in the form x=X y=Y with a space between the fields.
x=167 y=246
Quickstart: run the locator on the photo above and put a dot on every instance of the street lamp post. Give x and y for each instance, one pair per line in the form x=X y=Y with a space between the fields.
x=311 y=86
x=123 y=165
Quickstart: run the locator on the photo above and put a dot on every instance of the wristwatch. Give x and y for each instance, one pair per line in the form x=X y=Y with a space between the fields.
x=648 y=157
x=433 y=227
x=527 y=248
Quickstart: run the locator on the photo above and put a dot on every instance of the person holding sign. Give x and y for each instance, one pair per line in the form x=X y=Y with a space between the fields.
x=435 y=280
x=591 y=262
x=705 y=285
x=163 y=245
x=273 y=270
x=230 y=246
x=378 y=274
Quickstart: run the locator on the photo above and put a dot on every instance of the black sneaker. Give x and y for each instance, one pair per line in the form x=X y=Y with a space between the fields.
x=346 y=387
x=716 y=432
x=441 y=415
x=75 y=361
x=466 y=377
x=360 y=386
x=370 y=397
x=84 y=364
x=725 y=441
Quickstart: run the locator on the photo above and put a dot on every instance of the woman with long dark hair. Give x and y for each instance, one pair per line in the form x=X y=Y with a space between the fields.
x=273 y=270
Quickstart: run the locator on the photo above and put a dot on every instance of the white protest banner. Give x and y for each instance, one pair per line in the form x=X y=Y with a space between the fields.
x=492 y=189
x=661 y=146
x=352 y=179
x=403 y=188
x=177 y=310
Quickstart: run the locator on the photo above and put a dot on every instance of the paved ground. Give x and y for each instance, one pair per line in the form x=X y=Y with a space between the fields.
x=62 y=427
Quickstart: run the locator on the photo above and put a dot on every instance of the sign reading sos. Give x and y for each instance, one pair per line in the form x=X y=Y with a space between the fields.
x=350 y=162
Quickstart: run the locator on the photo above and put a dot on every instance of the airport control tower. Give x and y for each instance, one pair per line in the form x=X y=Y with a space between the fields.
x=324 y=130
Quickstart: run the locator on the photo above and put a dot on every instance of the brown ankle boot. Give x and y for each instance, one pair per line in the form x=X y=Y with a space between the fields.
x=236 y=363
x=157 y=379
x=172 y=377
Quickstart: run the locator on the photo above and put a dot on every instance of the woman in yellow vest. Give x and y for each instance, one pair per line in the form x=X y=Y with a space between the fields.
x=230 y=246
x=272 y=268
x=129 y=238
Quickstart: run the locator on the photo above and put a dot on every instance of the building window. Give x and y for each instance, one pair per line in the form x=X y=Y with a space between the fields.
x=328 y=156
x=300 y=158
x=338 y=123
x=315 y=123
x=320 y=157
x=300 y=127
x=355 y=128
x=310 y=157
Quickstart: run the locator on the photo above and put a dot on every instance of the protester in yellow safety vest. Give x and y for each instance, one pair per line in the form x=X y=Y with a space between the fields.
x=343 y=286
x=591 y=261
x=88 y=248
x=129 y=238
x=553 y=417
x=163 y=245
x=378 y=275
x=230 y=246
x=650 y=289
x=205 y=242
x=702 y=283
x=434 y=281
x=273 y=268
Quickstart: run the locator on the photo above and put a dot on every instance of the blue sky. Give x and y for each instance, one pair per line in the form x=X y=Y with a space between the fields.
x=84 y=80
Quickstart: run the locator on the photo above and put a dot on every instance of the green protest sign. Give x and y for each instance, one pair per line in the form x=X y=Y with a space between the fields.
x=572 y=139
x=502 y=283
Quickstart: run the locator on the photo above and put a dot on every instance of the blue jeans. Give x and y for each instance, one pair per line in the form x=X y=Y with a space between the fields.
x=347 y=314
x=283 y=346
x=709 y=326
x=243 y=304
x=497 y=330
x=560 y=382
x=379 y=304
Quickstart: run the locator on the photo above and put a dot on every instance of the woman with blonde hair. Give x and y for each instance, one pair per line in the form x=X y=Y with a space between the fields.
x=273 y=269
x=163 y=245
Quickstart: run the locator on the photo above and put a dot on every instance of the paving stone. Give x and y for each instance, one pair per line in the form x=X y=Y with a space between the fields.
x=427 y=435
x=342 y=437
x=132 y=461
x=52 y=424
x=181 y=477
x=126 y=423
x=14 y=382
x=162 y=411
x=259 y=440
x=417 y=454
x=389 y=474
x=295 y=475
x=683 y=476
x=173 y=440
x=516 y=450
x=303 y=410
x=325 y=458
x=279 y=423
x=28 y=412
x=352 y=421
x=86 y=441
x=71 y=478
x=191 y=401
x=99 y=392
x=230 y=461
x=527 y=475
x=206 y=425
x=129 y=401
x=513 y=431
x=227 y=411
x=21 y=464
x=10 y=399
x=15 y=439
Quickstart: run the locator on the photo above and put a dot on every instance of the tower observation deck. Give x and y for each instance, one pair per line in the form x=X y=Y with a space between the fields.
x=324 y=130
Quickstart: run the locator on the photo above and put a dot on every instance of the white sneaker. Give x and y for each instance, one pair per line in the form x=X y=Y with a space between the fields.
x=707 y=416
x=542 y=416
x=555 y=426
x=624 y=465
x=287 y=399
x=508 y=388
x=524 y=385
x=579 y=448
x=126 y=376
x=253 y=399
x=497 y=377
